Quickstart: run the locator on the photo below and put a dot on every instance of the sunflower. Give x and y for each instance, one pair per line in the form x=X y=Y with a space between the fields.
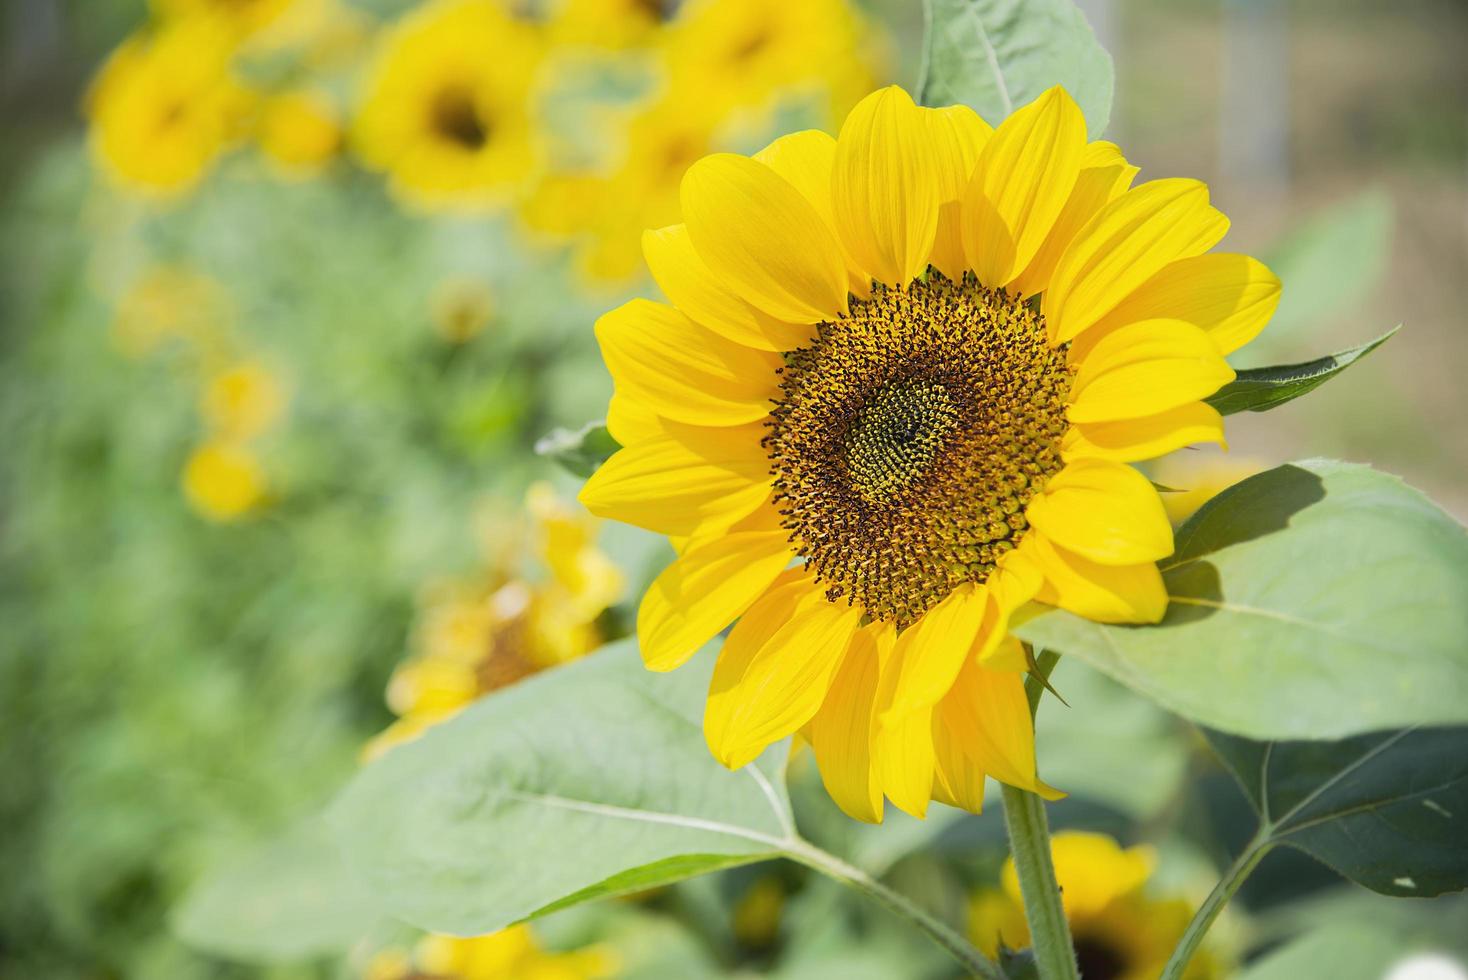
x=1120 y=932
x=446 y=110
x=224 y=481
x=299 y=132
x=515 y=952
x=893 y=403
x=165 y=106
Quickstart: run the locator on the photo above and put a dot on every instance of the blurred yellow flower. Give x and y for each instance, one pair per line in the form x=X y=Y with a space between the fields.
x=170 y=301
x=446 y=108
x=1200 y=476
x=242 y=401
x=299 y=132
x=756 y=920
x=244 y=17
x=510 y=954
x=1120 y=933
x=478 y=635
x=165 y=106
x=223 y=481
x=607 y=23
x=460 y=308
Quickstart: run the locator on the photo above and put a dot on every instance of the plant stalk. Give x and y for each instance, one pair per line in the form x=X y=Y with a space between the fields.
x=1029 y=844
x=952 y=943
x=1232 y=879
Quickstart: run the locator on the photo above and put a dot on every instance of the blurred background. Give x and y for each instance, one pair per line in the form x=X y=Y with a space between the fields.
x=291 y=289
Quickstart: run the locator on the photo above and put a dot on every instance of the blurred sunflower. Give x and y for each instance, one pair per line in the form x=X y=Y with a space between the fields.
x=479 y=635
x=857 y=376
x=169 y=302
x=607 y=23
x=446 y=109
x=240 y=16
x=1120 y=932
x=299 y=132
x=166 y=105
x=223 y=481
x=510 y=954
x=242 y=401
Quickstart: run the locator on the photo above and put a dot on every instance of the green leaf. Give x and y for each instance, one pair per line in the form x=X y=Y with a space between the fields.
x=1346 y=951
x=997 y=55
x=1387 y=810
x=1329 y=266
x=1260 y=389
x=289 y=899
x=585 y=781
x=1317 y=600
x=581 y=451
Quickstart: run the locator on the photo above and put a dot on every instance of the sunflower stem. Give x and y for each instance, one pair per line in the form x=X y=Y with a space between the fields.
x=1029 y=844
x=951 y=942
x=1232 y=879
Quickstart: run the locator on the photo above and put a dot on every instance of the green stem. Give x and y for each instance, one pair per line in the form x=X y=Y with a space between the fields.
x=1192 y=938
x=1029 y=844
x=951 y=942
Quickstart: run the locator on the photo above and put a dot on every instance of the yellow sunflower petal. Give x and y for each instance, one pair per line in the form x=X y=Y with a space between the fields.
x=904 y=747
x=1015 y=581
x=1230 y=296
x=842 y=731
x=1104 y=175
x=957 y=134
x=1104 y=511
x=1024 y=176
x=1104 y=593
x=759 y=696
x=1008 y=654
x=704 y=591
x=682 y=371
x=807 y=159
x=760 y=236
x=988 y=715
x=932 y=649
x=1124 y=245
x=883 y=187
x=1130 y=440
x=1145 y=368
x=958 y=780
x=630 y=421
x=663 y=485
x=687 y=281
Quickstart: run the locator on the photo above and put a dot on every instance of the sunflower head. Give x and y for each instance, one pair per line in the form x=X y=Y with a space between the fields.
x=894 y=399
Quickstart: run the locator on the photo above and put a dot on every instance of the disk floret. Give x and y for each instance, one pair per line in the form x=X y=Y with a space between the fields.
x=910 y=435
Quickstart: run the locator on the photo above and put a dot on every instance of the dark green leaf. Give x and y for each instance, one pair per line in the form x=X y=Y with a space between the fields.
x=1260 y=389
x=1388 y=810
x=586 y=781
x=581 y=451
x=291 y=898
x=997 y=55
x=1316 y=600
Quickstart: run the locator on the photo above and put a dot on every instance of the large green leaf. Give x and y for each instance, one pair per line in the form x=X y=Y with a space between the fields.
x=1388 y=810
x=1328 y=265
x=1260 y=389
x=1317 y=600
x=997 y=55
x=583 y=782
x=288 y=899
x=1347 y=951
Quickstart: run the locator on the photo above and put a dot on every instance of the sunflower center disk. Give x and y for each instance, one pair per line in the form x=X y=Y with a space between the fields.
x=909 y=437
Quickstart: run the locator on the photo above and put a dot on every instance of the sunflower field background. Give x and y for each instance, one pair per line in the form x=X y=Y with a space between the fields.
x=295 y=360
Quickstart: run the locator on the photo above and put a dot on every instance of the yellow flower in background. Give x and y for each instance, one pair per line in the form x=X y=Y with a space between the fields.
x=1200 y=477
x=1120 y=932
x=744 y=52
x=854 y=378
x=171 y=302
x=446 y=110
x=223 y=481
x=165 y=106
x=299 y=132
x=607 y=23
x=510 y=954
x=243 y=17
x=460 y=308
x=242 y=401
x=478 y=635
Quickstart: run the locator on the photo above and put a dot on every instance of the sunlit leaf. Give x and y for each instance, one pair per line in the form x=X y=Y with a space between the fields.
x=997 y=55
x=1317 y=600
x=1260 y=389
x=586 y=781
x=289 y=899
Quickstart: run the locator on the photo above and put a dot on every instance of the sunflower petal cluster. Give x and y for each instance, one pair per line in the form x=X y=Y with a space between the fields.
x=891 y=404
